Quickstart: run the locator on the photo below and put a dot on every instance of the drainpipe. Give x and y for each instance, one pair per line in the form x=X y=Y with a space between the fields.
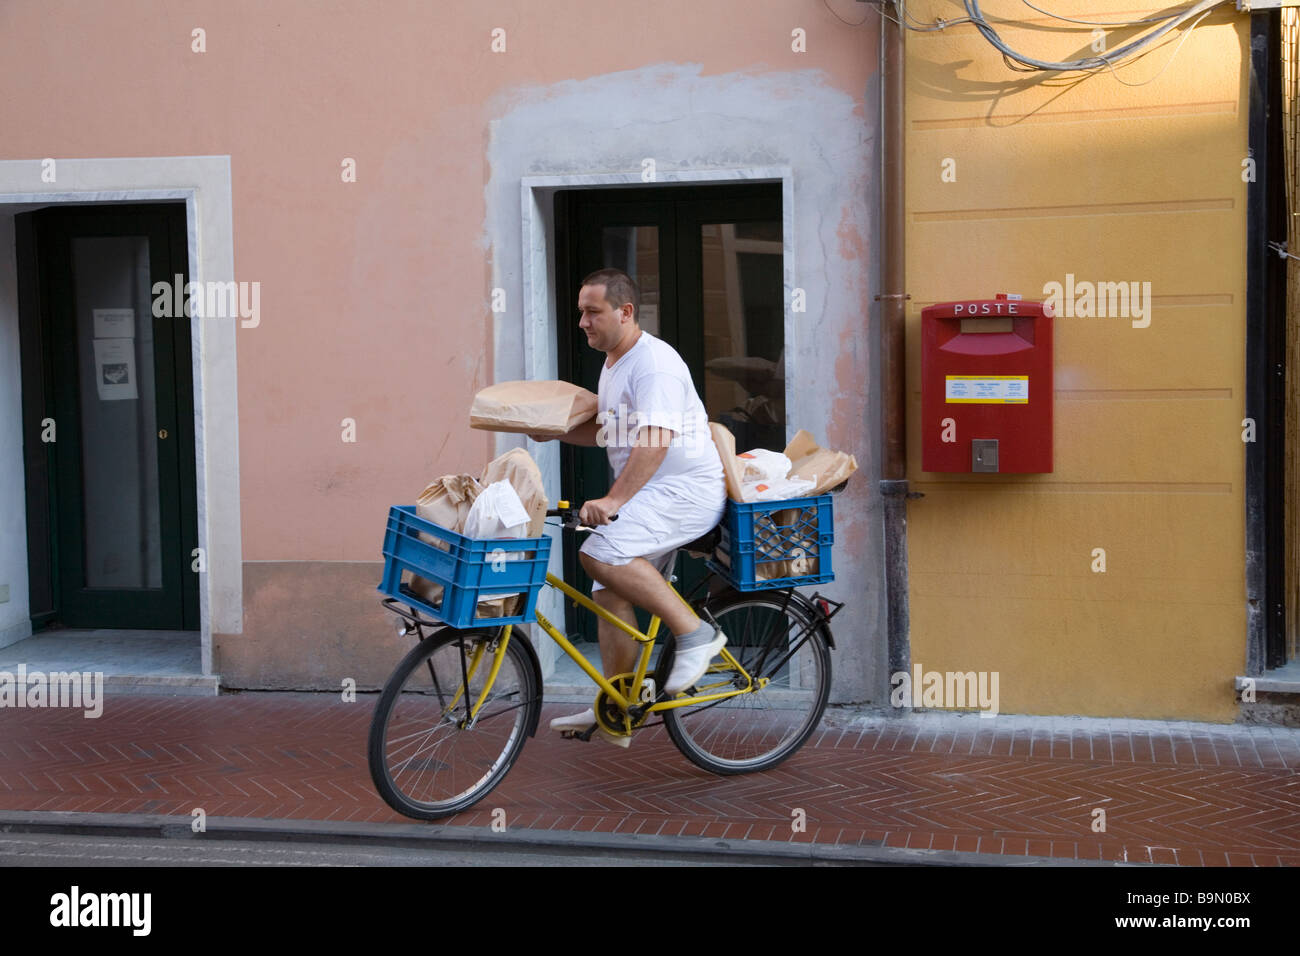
x=893 y=484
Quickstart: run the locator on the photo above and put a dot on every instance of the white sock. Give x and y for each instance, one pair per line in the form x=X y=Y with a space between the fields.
x=697 y=638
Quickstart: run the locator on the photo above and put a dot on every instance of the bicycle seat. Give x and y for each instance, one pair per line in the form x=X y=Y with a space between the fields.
x=702 y=547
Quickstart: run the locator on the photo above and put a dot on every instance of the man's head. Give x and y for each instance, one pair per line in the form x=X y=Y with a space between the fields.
x=610 y=304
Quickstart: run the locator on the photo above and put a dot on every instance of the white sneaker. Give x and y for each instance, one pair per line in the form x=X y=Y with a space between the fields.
x=690 y=665
x=577 y=723
x=618 y=740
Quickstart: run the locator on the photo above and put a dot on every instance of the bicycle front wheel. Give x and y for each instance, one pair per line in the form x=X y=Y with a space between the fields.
x=432 y=753
x=769 y=636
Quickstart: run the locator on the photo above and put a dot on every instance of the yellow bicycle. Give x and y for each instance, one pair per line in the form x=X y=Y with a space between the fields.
x=455 y=714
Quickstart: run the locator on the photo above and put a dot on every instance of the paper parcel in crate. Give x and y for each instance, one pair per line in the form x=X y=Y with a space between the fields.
x=450 y=501
x=813 y=471
x=532 y=408
x=446 y=502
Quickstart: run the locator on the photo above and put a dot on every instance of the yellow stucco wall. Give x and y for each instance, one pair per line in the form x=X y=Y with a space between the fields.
x=1112 y=183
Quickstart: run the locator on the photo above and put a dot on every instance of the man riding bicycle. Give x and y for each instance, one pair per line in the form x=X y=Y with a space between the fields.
x=668 y=488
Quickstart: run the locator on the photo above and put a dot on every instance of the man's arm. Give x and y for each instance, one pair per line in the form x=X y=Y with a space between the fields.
x=646 y=457
x=584 y=434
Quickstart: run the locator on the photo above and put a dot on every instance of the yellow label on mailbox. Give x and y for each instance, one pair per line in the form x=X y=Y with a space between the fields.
x=986 y=389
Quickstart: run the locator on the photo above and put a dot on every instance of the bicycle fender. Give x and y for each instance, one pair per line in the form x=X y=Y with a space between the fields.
x=798 y=598
x=535 y=662
x=816 y=614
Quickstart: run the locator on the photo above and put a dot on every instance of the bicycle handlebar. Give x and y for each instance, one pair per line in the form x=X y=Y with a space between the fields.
x=569 y=517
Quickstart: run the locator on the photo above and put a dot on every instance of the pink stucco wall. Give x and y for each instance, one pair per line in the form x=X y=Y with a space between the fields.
x=375 y=294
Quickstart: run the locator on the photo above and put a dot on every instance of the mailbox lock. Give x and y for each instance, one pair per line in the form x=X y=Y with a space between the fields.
x=984 y=454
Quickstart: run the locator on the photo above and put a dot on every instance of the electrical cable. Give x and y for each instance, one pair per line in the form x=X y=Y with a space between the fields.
x=1087 y=63
x=1022 y=63
x=939 y=23
x=1152 y=79
x=827 y=5
x=1280 y=249
x=1100 y=23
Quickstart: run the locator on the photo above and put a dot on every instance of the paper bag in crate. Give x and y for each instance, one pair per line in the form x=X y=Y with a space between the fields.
x=825 y=468
x=446 y=501
x=517 y=467
x=767 y=528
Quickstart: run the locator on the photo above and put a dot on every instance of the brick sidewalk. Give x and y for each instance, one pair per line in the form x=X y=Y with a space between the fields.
x=1192 y=794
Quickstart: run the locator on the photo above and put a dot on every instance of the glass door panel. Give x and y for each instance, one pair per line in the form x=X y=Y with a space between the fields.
x=743 y=329
x=635 y=250
x=119 y=420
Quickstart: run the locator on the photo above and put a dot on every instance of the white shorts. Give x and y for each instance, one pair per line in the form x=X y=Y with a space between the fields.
x=653 y=525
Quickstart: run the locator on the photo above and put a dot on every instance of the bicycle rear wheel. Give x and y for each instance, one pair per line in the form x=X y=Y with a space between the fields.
x=428 y=759
x=770 y=636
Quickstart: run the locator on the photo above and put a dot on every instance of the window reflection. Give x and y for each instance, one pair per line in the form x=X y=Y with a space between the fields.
x=744 y=331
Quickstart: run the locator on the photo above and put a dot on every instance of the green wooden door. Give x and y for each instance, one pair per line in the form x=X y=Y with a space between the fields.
x=121 y=521
x=709 y=265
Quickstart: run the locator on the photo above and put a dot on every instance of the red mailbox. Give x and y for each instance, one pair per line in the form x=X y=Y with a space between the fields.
x=986 y=386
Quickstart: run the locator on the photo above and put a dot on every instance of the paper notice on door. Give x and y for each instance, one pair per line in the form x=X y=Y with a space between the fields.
x=115 y=369
x=987 y=389
x=114 y=323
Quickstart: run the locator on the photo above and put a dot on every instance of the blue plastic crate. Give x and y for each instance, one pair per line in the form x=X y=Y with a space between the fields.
x=468 y=569
x=760 y=537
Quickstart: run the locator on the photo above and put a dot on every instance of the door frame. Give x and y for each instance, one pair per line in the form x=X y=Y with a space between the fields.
x=55 y=473
x=677 y=212
x=1266 y=356
x=203 y=183
x=542 y=269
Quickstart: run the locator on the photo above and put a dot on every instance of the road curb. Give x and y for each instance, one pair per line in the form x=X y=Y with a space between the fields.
x=448 y=837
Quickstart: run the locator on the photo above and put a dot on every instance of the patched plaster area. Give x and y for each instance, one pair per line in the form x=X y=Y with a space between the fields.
x=790 y=126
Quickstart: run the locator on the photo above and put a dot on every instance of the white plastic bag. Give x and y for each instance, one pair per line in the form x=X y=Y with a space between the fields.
x=776 y=490
x=759 y=464
x=498 y=513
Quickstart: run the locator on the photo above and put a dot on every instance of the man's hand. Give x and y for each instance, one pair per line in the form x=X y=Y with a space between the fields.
x=598 y=511
x=584 y=434
x=647 y=455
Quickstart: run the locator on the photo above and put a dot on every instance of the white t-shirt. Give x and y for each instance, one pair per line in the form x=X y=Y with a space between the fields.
x=651 y=386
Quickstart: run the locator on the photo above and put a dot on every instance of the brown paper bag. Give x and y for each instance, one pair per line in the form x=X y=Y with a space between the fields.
x=532 y=408
x=731 y=466
x=788 y=567
x=517 y=467
x=827 y=469
x=801 y=445
x=445 y=501
x=812 y=463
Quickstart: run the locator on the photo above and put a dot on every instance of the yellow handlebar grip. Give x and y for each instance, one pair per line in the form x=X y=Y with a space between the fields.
x=561 y=503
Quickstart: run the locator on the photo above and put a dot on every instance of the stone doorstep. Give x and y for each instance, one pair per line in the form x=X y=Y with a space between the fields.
x=187 y=685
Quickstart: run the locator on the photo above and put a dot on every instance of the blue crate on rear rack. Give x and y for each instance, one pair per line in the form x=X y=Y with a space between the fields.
x=776 y=544
x=468 y=569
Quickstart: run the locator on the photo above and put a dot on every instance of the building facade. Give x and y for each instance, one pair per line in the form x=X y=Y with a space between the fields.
x=393 y=189
x=375 y=211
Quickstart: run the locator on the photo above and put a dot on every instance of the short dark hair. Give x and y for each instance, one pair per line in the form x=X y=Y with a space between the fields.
x=620 y=289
